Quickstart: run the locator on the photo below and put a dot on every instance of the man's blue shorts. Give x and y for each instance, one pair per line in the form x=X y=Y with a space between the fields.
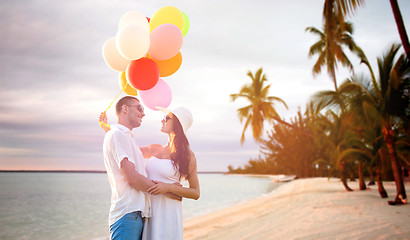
x=129 y=227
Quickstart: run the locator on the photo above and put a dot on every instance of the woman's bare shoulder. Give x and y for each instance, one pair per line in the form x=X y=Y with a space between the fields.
x=154 y=146
x=151 y=150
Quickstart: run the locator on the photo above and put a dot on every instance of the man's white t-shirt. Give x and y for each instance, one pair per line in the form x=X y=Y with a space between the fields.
x=119 y=144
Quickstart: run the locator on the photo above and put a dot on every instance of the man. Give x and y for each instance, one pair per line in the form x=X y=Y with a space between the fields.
x=126 y=172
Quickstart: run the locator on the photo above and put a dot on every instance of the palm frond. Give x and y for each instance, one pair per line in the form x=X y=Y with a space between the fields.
x=272 y=98
x=349 y=6
x=315 y=31
x=354 y=154
x=372 y=114
x=244 y=129
x=385 y=64
x=236 y=96
x=317 y=67
x=244 y=112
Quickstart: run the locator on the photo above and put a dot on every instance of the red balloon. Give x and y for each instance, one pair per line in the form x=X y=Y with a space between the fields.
x=149 y=19
x=142 y=74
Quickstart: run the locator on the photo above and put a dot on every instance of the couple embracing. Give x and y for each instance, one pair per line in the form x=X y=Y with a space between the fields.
x=145 y=181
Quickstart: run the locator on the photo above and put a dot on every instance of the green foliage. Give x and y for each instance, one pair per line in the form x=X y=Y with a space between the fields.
x=331 y=44
x=261 y=107
x=344 y=125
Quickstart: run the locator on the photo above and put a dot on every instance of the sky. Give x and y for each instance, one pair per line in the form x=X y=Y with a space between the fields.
x=54 y=81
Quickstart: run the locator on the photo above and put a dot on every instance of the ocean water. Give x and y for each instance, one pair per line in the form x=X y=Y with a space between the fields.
x=75 y=205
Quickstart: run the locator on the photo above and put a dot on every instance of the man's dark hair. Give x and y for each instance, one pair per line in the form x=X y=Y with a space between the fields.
x=124 y=101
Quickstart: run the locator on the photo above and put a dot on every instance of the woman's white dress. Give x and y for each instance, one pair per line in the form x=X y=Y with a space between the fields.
x=166 y=220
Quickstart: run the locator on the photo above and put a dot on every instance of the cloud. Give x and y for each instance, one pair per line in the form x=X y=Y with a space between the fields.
x=54 y=81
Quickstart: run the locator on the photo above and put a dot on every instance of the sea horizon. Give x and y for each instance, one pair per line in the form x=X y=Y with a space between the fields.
x=57 y=204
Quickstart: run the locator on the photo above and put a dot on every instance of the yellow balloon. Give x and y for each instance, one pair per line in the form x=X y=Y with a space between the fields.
x=167 y=14
x=126 y=87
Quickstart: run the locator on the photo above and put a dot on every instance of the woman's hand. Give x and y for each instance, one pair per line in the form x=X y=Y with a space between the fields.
x=159 y=188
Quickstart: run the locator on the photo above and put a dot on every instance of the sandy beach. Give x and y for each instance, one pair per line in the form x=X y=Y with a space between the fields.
x=314 y=208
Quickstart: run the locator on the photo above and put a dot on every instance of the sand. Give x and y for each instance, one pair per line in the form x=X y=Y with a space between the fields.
x=314 y=208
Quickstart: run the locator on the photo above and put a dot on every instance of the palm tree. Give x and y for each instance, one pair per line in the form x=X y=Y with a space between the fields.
x=329 y=48
x=386 y=104
x=334 y=12
x=261 y=105
x=340 y=8
x=363 y=142
x=337 y=122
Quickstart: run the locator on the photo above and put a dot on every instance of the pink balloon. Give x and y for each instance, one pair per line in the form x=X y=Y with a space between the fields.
x=158 y=96
x=165 y=41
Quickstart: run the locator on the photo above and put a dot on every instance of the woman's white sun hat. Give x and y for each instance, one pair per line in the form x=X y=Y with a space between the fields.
x=183 y=114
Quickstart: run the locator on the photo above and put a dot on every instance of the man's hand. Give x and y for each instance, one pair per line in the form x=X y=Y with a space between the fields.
x=103 y=117
x=103 y=122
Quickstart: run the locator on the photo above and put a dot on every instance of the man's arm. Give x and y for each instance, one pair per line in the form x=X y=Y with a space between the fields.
x=133 y=178
x=138 y=181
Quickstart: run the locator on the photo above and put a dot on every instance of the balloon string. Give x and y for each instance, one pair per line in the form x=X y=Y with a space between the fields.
x=114 y=100
x=103 y=123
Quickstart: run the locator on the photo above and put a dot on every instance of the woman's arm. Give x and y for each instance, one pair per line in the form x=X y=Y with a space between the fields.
x=103 y=122
x=192 y=192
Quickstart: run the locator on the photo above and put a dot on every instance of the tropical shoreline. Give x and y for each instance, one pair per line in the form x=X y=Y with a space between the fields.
x=313 y=208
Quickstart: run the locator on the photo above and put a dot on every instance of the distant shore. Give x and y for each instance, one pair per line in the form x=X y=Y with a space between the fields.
x=85 y=171
x=313 y=208
x=56 y=171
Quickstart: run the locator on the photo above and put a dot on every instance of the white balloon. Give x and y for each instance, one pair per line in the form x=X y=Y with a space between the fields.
x=134 y=17
x=132 y=41
x=112 y=57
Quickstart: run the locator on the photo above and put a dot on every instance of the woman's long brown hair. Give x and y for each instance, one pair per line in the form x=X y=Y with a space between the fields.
x=180 y=151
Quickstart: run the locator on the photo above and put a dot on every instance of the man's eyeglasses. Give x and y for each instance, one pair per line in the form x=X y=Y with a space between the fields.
x=139 y=107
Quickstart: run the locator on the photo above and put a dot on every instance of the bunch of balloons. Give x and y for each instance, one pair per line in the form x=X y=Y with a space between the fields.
x=145 y=50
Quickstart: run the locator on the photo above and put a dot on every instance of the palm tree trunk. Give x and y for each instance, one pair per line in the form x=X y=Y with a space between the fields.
x=400 y=26
x=352 y=178
x=371 y=173
x=343 y=176
x=334 y=79
x=401 y=191
x=408 y=175
x=362 y=184
x=380 y=187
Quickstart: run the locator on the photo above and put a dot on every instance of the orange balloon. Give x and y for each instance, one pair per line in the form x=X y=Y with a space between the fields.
x=169 y=66
x=126 y=87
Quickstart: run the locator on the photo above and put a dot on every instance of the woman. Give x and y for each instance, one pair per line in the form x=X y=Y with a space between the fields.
x=167 y=165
